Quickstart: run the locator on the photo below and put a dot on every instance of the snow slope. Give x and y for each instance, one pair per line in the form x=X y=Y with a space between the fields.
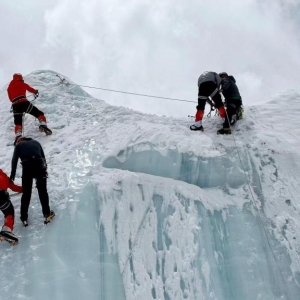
x=148 y=209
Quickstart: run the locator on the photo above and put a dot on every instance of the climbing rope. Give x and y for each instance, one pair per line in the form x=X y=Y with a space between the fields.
x=131 y=93
x=137 y=236
x=49 y=88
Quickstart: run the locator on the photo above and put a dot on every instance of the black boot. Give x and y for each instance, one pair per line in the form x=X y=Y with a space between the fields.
x=44 y=128
x=24 y=221
x=49 y=217
x=195 y=128
x=224 y=131
x=7 y=234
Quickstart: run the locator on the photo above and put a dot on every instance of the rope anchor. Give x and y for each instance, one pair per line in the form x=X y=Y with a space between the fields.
x=63 y=80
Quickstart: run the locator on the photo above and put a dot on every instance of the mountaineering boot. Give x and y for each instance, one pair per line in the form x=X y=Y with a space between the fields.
x=195 y=128
x=198 y=121
x=49 y=217
x=7 y=234
x=44 y=128
x=24 y=222
x=224 y=131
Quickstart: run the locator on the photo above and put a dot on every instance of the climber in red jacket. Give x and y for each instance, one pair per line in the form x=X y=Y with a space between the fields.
x=20 y=105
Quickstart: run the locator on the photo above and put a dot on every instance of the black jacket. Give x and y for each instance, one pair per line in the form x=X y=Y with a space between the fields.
x=32 y=156
x=230 y=89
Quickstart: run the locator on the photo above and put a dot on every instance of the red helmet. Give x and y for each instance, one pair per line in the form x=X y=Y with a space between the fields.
x=18 y=76
x=19 y=139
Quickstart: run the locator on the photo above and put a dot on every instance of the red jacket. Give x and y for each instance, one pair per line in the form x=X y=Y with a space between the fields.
x=5 y=183
x=18 y=88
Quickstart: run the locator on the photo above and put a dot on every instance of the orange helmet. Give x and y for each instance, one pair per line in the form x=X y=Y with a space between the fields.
x=18 y=76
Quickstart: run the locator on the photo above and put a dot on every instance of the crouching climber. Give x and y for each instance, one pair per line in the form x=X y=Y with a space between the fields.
x=233 y=102
x=7 y=208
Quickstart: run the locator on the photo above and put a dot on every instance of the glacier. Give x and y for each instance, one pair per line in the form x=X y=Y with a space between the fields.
x=148 y=209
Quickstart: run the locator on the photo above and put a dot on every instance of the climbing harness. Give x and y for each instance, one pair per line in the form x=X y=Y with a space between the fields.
x=212 y=107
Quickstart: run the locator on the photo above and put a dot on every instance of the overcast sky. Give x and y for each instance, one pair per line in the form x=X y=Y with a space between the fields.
x=157 y=47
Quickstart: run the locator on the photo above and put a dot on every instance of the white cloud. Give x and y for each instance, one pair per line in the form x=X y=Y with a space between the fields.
x=161 y=47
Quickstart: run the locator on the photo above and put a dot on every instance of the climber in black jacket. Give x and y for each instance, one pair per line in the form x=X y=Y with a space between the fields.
x=233 y=102
x=34 y=166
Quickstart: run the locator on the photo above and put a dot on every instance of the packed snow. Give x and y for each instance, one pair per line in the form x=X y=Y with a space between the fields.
x=147 y=209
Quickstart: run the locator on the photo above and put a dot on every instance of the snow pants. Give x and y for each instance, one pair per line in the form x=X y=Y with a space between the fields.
x=26 y=107
x=206 y=89
x=41 y=185
x=7 y=209
x=232 y=107
x=5 y=204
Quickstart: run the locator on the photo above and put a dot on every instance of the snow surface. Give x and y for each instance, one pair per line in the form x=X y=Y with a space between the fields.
x=147 y=209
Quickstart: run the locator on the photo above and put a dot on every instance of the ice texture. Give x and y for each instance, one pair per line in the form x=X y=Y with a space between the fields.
x=147 y=209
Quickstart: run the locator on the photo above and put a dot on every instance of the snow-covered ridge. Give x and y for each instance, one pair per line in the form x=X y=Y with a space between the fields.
x=148 y=209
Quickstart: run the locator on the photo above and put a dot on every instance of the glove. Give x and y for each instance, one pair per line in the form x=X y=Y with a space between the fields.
x=36 y=94
x=11 y=178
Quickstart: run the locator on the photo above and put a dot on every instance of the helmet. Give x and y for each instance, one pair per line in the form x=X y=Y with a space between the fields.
x=18 y=76
x=223 y=74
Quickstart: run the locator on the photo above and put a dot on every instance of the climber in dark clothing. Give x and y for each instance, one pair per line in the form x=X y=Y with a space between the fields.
x=34 y=166
x=233 y=102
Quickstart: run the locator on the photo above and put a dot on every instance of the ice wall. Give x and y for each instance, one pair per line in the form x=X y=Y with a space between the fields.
x=198 y=252
x=205 y=172
x=156 y=220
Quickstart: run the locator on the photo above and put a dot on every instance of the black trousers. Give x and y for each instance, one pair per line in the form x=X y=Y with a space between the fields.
x=5 y=204
x=206 y=89
x=41 y=184
x=232 y=107
x=24 y=107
